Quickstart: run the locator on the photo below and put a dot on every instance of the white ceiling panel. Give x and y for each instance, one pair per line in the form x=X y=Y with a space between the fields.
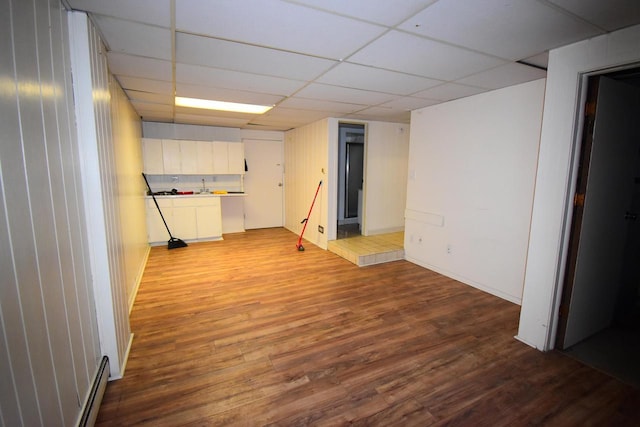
x=228 y=95
x=540 y=60
x=511 y=74
x=215 y=53
x=382 y=114
x=235 y=80
x=381 y=12
x=449 y=91
x=369 y=78
x=362 y=59
x=137 y=66
x=340 y=94
x=277 y=24
x=142 y=106
x=415 y=55
x=146 y=85
x=609 y=14
x=408 y=103
x=156 y=12
x=135 y=39
x=280 y=114
x=157 y=98
x=295 y=102
x=210 y=120
x=510 y=29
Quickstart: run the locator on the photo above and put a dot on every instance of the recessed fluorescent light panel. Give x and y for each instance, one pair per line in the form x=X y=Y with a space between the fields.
x=221 y=105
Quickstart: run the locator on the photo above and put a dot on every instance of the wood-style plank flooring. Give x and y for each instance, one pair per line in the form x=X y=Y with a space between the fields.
x=250 y=332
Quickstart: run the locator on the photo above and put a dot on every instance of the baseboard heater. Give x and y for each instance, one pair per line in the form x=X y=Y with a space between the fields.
x=92 y=405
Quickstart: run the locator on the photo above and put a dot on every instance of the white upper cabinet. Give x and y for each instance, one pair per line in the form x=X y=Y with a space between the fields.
x=189 y=158
x=171 y=156
x=220 y=157
x=204 y=151
x=152 y=156
x=185 y=157
x=236 y=158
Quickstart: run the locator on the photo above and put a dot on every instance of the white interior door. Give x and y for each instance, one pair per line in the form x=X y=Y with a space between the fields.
x=263 y=183
x=604 y=228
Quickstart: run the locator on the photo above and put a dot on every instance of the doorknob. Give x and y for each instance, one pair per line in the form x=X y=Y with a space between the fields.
x=279 y=184
x=632 y=216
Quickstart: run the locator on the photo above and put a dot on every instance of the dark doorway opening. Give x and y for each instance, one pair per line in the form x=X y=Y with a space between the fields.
x=351 y=142
x=599 y=320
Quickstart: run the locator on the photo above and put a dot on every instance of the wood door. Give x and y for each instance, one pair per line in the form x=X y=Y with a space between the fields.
x=263 y=183
x=600 y=246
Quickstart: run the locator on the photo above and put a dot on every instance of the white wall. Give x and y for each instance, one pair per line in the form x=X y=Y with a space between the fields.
x=472 y=165
x=49 y=347
x=386 y=168
x=555 y=182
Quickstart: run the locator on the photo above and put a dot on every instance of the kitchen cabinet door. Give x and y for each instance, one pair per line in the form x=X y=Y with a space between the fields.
x=152 y=156
x=183 y=223
x=156 y=231
x=189 y=157
x=204 y=153
x=209 y=220
x=220 y=158
x=171 y=156
x=236 y=158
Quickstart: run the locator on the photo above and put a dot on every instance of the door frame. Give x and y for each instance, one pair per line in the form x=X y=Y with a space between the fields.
x=572 y=192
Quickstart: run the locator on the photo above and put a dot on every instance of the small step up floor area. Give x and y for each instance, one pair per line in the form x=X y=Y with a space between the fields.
x=370 y=250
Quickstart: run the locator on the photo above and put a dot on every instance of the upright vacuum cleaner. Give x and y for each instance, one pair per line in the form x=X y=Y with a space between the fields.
x=173 y=242
x=306 y=220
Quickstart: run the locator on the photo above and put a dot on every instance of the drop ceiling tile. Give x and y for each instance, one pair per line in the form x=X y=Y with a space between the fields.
x=141 y=106
x=212 y=113
x=381 y=12
x=369 y=78
x=215 y=77
x=540 y=60
x=409 y=103
x=339 y=94
x=505 y=75
x=449 y=91
x=211 y=121
x=321 y=105
x=145 y=85
x=382 y=114
x=609 y=15
x=229 y=95
x=156 y=12
x=415 y=55
x=137 y=66
x=297 y=115
x=134 y=38
x=277 y=24
x=215 y=53
x=510 y=29
x=157 y=98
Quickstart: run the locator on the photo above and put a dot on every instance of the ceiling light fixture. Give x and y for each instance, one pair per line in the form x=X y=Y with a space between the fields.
x=221 y=105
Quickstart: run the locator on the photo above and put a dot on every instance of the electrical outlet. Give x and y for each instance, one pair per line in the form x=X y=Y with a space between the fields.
x=449 y=249
x=320 y=229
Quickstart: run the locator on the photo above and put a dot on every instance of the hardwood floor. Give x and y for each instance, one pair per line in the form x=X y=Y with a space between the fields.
x=249 y=332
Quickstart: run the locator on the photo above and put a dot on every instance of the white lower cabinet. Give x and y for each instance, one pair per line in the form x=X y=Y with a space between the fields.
x=189 y=218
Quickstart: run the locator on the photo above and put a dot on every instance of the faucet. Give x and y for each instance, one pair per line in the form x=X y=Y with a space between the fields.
x=203 y=190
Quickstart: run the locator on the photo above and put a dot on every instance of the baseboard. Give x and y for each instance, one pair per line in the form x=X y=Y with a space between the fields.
x=143 y=265
x=94 y=398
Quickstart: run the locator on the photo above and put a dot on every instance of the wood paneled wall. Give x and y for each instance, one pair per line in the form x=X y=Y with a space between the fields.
x=49 y=347
x=306 y=163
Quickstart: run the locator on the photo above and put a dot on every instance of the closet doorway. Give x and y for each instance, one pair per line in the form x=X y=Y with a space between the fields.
x=351 y=142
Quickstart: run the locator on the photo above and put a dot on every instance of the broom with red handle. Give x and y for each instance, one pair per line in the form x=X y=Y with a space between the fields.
x=306 y=220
